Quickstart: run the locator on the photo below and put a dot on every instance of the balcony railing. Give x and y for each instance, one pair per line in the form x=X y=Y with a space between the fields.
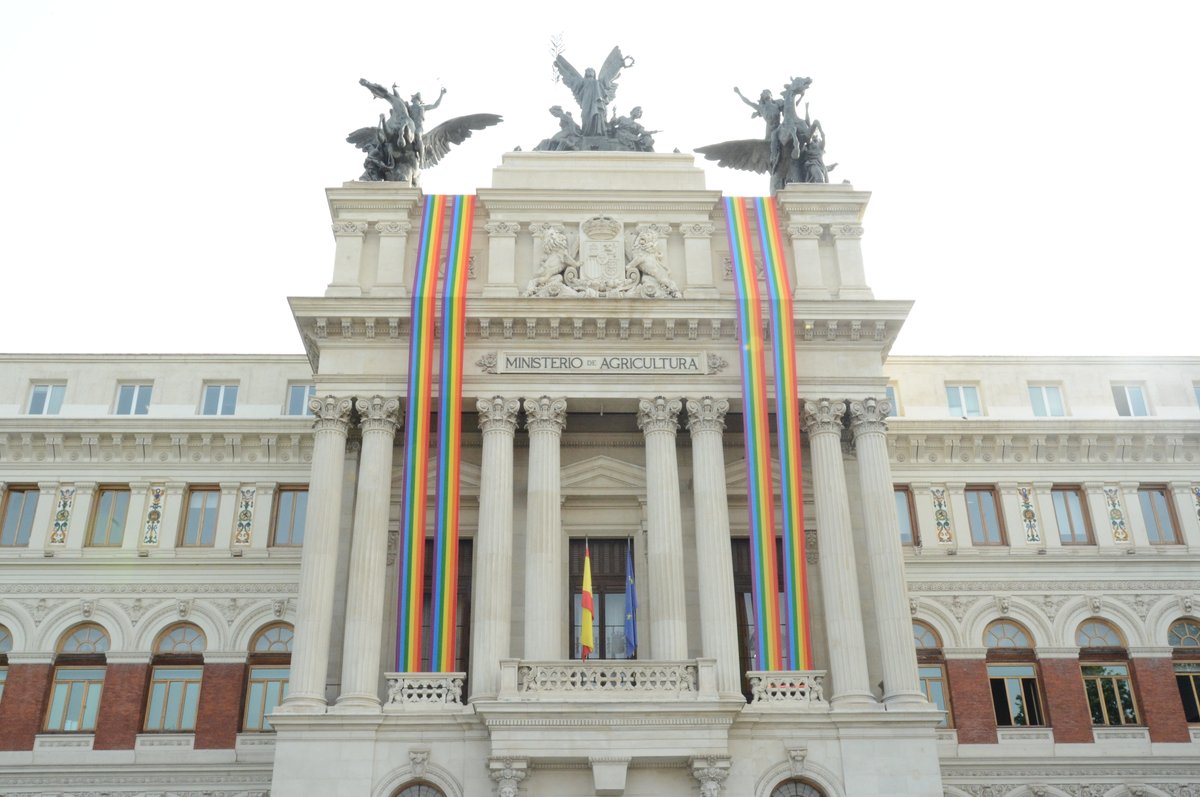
x=424 y=691
x=788 y=689
x=608 y=680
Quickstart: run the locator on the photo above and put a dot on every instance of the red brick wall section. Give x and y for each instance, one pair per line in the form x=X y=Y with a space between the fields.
x=23 y=707
x=1158 y=699
x=971 y=701
x=220 y=712
x=1066 y=702
x=121 y=705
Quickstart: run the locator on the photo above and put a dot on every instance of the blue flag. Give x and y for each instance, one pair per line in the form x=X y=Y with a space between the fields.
x=630 y=605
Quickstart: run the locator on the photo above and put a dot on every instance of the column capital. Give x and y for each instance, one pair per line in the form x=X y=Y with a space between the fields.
x=804 y=231
x=508 y=774
x=659 y=414
x=379 y=414
x=696 y=230
x=393 y=228
x=498 y=414
x=546 y=414
x=332 y=413
x=869 y=415
x=846 y=230
x=502 y=229
x=707 y=414
x=711 y=771
x=350 y=228
x=823 y=416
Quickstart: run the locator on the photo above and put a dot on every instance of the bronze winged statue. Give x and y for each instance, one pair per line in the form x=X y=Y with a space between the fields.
x=594 y=91
x=793 y=150
x=399 y=147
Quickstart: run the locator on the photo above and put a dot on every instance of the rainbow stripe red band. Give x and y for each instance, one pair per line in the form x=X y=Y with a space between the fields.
x=439 y=211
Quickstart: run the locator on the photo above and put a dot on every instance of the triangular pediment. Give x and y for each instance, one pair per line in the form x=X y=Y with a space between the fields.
x=735 y=478
x=603 y=475
x=468 y=478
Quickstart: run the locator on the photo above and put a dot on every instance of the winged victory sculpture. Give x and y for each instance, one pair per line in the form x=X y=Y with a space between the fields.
x=594 y=92
x=399 y=147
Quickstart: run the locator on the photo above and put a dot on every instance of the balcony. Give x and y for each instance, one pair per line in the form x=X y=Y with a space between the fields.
x=608 y=680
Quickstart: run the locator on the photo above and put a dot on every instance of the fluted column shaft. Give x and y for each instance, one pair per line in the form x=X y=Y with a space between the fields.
x=839 y=578
x=718 y=613
x=318 y=562
x=367 y=584
x=657 y=419
x=893 y=621
x=545 y=419
x=491 y=606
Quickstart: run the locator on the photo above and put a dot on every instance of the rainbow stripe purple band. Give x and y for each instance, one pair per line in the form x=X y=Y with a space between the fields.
x=458 y=213
x=793 y=649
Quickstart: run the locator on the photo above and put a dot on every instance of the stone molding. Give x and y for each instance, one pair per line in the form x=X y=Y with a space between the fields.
x=379 y=414
x=846 y=231
x=696 y=230
x=393 y=228
x=707 y=414
x=711 y=772
x=498 y=414
x=659 y=414
x=508 y=773
x=546 y=414
x=502 y=229
x=349 y=228
x=804 y=231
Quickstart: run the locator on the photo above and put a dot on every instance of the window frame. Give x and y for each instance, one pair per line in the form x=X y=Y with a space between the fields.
x=97 y=501
x=1096 y=681
x=167 y=680
x=963 y=404
x=1086 y=516
x=52 y=403
x=914 y=534
x=276 y=504
x=136 y=407
x=185 y=522
x=310 y=391
x=997 y=509
x=1043 y=388
x=1169 y=513
x=929 y=658
x=1002 y=656
x=24 y=520
x=606 y=583
x=261 y=660
x=224 y=389
x=81 y=648
x=892 y=391
x=1122 y=399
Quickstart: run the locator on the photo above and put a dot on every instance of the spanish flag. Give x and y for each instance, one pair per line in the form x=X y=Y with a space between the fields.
x=587 y=641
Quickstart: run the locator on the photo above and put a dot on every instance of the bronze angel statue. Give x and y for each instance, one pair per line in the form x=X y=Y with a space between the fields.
x=594 y=91
x=398 y=147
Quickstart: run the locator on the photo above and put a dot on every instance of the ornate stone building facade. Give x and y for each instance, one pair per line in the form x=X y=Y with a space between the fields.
x=198 y=575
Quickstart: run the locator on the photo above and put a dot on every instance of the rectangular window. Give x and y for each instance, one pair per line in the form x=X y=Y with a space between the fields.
x=963 y=401
x=462 y=613
x=133 y=399
x=291 y=504
x=265 y=690
x=983 y=516
x=1015 y=695
x=20 y=504
x=933 y=683
x=108 y=517
x=219 y=400
x=1047 y=401
x=46 y=399
x=744 y=592
x=904 y=514
x=1130 y=400
x=1073 y=525
x=608 y=597
x=893 y=396
x=1110 y=694
x=200 y=524
x=1187 y=678
x=297 y=399
x=1160 y=519
x=3 y=678
x=75 y=699
x=174 y=697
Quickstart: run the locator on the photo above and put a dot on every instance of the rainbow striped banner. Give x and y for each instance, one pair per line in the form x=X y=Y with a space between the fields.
x=422 y=345
x=756 y=427
x=797 y=651
x=461 y=210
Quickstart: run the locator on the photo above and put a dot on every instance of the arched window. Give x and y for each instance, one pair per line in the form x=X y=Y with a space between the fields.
x=178 y=669
x=796 y=788
x=5 y=647
x=1106 y=678
x=419 y=790
x=1184 y=636
x=931 y=666
x=1012 y=675
x=78 y=680
x=267 y=675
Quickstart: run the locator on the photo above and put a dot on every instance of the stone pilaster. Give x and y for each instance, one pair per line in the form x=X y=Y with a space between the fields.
x=893 y=623
x=379 y=418
x=347 y=258
x=839 y=578
x=697 y=260
x=657 y=419
x=318 y=562
x=847 y=245
x=545 y=419
x=508 y=774
x=393 y=243
x=502 y=258
x=491 y=607
x=806 y=251
x=718 y=614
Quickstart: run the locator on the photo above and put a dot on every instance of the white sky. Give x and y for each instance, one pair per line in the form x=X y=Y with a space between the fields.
x=1033 y=165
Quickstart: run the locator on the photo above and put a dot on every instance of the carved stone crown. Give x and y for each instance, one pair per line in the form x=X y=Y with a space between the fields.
x=601 y=228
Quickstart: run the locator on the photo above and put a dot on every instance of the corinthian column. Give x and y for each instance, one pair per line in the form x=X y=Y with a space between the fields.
x=893 y=623
x=664 y=540
x=318 y=562
x=718 y=615
x=491 y=606
x=839 y=578
x=545 y=591
x=367 y=587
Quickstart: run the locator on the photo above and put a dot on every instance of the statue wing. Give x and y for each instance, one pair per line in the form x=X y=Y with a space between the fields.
x=454 y=131
x=570 y=74
x=612 y=65
x=364 y=138
x=750 y=155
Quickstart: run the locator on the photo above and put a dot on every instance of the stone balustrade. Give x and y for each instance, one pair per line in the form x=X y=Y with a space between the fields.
x=688 y=680
x=791 y=690
x=424 y=691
